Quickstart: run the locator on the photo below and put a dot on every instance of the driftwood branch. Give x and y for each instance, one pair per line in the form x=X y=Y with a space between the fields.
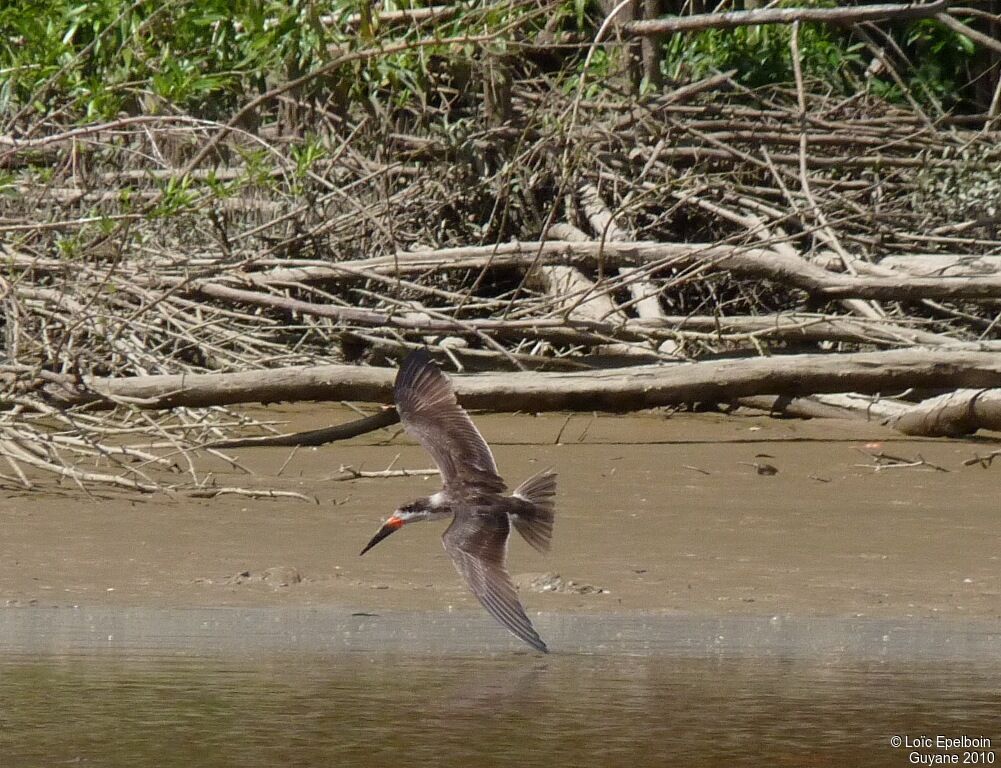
x=814 y=406
x=602 y=220
x=350 y=473
x=582 y=329
x=957 y=413
x=882 y=461
x=611 y=390
x=384 y=418
x=983 y=461
x=841 y=405
x=953 y=414
x=943 y=264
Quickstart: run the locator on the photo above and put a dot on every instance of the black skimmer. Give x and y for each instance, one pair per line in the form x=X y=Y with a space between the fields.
x=473 y=494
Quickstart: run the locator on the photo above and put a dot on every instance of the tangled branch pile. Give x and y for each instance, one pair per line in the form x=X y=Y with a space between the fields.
x=519 y=210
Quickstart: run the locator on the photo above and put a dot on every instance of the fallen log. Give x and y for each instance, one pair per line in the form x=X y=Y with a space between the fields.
x=623 y=389
x=954 y=414
x=786 y=406
x=829 y=406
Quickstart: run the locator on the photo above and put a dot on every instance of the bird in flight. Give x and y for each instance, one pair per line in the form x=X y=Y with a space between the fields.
x=473 y=494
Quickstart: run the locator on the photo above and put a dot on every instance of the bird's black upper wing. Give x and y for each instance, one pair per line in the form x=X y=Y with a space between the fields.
x=431 y=414
x=477 y=544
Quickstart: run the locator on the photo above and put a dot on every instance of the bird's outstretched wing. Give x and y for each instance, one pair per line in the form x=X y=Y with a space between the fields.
x=431 y=414
x=478 y=548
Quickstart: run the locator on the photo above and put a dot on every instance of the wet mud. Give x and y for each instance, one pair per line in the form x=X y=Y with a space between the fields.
x=693 y=515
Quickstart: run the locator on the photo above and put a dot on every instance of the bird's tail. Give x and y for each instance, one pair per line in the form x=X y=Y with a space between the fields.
x=534 y=520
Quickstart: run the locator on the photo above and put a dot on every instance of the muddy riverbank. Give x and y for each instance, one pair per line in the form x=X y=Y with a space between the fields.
x=678 y=516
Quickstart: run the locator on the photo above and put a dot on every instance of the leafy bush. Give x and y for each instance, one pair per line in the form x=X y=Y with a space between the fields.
x=98 y=58
x=95 y=59
x=761 y=54
x=933 y=60
x=107 y=56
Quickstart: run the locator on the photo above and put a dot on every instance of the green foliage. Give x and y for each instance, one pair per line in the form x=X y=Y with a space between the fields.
x=108 y=56
x=305 y=156
x=96 y=59
x=942 y=59
x=178 y=196
x=936 y=64
x=207 y=57
x=257 y=165
x=762 y=54
x=7 y=183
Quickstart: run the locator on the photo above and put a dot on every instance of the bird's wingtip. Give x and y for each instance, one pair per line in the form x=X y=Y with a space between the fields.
x=410 y=369
x=417 y=359
x=536 y=642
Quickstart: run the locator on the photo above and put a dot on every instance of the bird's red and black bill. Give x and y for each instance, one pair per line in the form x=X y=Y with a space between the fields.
x=394 y=523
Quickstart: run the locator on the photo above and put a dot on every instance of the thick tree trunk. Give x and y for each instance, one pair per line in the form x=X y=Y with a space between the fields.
x=957 y=413
x=610 y=390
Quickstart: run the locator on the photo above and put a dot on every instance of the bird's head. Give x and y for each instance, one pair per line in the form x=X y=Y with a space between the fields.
x=408 y=513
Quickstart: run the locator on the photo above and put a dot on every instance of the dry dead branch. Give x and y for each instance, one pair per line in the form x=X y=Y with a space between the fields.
x=721 y=223
x=250 y=493
x=578 y=298
x=611 y=390
x=943 y=265
x=350 y=473
x=385 y=417
x=883 y=461
x=855 y=15
x=644 y=292
x=983 y=461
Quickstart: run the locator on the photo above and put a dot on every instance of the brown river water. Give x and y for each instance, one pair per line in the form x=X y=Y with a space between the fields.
x=702 y=609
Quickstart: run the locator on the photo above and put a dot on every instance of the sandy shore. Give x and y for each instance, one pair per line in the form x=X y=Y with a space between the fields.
x=656 y=517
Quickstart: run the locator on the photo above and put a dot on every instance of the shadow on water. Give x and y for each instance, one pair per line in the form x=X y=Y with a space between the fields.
x=365 y=709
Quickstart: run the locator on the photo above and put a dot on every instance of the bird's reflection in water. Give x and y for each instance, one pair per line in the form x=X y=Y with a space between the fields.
x=498 y=689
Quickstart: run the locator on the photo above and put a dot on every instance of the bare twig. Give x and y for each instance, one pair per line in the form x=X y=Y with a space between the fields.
x=350 y=473
x=851 y=15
